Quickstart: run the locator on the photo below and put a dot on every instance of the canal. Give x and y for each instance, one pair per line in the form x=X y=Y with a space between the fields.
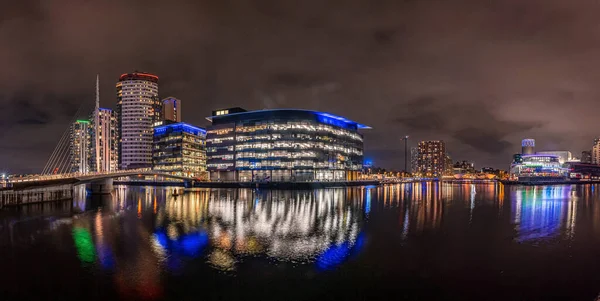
x=419 y=241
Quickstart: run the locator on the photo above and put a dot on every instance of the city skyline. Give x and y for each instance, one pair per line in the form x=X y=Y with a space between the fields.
x=481 y=100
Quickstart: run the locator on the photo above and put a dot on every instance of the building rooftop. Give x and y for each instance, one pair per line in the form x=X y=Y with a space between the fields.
x=180 y=126
x=323 y=115
x=139 y=76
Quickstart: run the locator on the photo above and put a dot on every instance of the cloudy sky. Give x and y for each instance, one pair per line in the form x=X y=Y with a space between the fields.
x=481 y=75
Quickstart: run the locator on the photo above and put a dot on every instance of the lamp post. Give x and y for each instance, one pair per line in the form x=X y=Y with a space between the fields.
x=405 y=138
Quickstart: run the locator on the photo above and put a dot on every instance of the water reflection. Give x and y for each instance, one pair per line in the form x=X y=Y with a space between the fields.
x=141 y=237
x=541 y=212
x=321 y=227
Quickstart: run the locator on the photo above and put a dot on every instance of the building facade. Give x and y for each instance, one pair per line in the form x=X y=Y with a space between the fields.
x=80 y=146
x=464 y=167
x=179 y=149
x=596 y=151
x=171 y=109
x=563 y=156
x=138 y=108
x=537 y=167
x=414 y=159
x=586 y=157
x=431 y=161
x=528 y=146
x=105 y=142
x=283 y=145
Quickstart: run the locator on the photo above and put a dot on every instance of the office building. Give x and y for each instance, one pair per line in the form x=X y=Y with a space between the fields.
x=563 y=156
x=586 y=157
x=596 y=151
x=79 y=150
x=105 y=142
x=138 y=108
x=283 y=145
x=179 y=149
x=171 y=109
x=528 y=147
x=431 y=161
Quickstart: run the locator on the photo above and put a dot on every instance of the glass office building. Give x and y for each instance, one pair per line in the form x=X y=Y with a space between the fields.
x=284 y=145
x=179 y=149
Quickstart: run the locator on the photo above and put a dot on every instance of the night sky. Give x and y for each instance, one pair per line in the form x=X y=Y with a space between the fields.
x=480 y=75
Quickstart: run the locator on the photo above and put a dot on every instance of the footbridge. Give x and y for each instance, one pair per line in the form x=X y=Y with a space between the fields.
x=99 y=178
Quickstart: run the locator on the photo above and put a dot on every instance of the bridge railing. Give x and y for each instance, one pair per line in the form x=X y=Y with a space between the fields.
x=75 y=175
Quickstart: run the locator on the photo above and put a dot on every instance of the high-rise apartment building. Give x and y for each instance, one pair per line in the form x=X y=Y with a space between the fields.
x=80 y=146
x=414 y=157
x=171 y=109
x=138 y=108
x=596 y=151
x=431 y=161
x=105 y=142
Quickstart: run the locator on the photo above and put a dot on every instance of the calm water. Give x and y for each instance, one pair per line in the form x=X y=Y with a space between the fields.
x=425 y=241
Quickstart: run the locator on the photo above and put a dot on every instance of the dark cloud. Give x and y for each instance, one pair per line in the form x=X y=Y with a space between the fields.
x=492 y=72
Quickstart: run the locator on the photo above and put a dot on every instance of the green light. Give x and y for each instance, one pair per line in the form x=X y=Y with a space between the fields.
x=84 y=244
x=83 y=121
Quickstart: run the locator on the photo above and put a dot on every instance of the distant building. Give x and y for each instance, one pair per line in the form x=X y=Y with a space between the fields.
x=138 y=108
x=586 y=157
x=414 y=158
x=563 y=156
x=171 y=109
x=528 y=147
x=105 y=156
x=80 y=146
x=596 y=151
x=448 y=166
x=179 y=149
x=283 y=145
x=464 y=167
x=431 y=160
x=537 y=167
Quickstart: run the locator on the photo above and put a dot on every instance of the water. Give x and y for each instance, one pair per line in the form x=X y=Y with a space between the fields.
x=425 y=241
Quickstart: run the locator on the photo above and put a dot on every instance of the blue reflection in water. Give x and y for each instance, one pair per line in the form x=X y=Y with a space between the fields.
x=337 y=254
x=368 y=201
x=190 y=244
x=106 y=257
x=539 y=212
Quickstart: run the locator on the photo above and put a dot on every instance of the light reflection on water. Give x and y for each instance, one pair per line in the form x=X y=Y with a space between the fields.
x=540 y=212
x=139 y=234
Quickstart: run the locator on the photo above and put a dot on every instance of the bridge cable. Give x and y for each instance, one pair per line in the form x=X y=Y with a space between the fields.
x=48 y=167
x=53 y=157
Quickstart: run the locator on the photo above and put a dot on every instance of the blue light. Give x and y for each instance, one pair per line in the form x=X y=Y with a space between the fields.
x=328 y=118
x=162 y=239
x=359 y=243
x=192 y=244
x=337 y=254
x=179 y=127
x=106 y=257
x=368 y=201
x=333 y=256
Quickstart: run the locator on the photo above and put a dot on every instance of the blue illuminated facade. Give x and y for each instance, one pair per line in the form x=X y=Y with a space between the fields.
x=283 y=145
x=179 y=148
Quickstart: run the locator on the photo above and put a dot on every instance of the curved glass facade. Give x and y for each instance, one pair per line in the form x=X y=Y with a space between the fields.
x=534 y=167
x=283 y=145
